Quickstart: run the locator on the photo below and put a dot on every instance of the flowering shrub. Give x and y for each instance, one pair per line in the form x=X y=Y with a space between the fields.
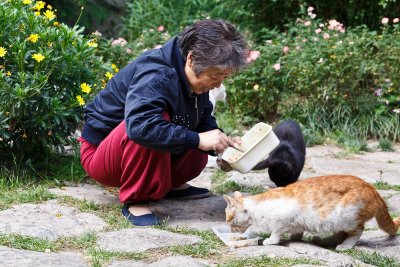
x=119 y=52
x=321 y=64
x=47 y=73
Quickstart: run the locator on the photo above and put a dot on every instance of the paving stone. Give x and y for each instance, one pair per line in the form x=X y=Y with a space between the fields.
x=204 y=179
x=142 y=239
x=394 y=203
x=199 y=214
x=378 y=241
x=369 y=171
x=173 y=261
x=388 y=193
x=370 y=166
x=48 y=220
x=303 y=250
x=88 y=192
x=10 y=257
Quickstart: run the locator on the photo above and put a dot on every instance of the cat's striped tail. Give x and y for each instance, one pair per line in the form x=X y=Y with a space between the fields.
x=384 y=220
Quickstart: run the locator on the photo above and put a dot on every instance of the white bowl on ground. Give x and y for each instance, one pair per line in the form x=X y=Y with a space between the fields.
x=256 y=145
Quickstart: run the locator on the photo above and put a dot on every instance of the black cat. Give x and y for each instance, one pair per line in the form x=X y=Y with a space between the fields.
x=286 y=161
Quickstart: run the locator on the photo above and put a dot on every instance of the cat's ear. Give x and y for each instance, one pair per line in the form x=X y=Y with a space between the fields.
x=237 y=194
x=228 y=199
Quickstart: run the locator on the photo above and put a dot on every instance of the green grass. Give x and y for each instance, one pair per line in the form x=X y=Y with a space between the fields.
x=26 y=194
x=210 y=246
x=221 y=186
x=267 y=261
x=28 y=243
x=232 y=186
x=385 y=186
x=373 y=258
x=385 y=145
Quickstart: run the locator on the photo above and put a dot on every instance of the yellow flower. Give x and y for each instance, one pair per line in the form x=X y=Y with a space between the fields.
x=8 y=73
x=56 y=24
x=92 y=44
x=38 y=57
x=33 y=37
x=3 y=51
x=37 y=13
x=109 y=75
x=49 y=14
x=27 y=2
x=332 y=56
x=80 y=100
x=115 y=68
x=86 y=88
x=39 y=5
x=256 y=87
x=49 y=7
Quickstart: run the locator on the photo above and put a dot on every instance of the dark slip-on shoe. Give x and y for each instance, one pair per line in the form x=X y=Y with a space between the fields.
x=191 y=192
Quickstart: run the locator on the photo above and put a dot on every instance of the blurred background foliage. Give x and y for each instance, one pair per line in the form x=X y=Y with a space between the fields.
x=334 y=67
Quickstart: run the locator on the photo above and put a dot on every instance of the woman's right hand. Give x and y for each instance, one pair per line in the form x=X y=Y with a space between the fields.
x=214 y=140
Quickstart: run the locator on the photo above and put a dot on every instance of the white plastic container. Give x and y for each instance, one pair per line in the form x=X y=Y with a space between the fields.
x=256 y=145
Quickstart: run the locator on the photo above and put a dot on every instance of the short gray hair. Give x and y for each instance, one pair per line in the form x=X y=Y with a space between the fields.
x=213 y=43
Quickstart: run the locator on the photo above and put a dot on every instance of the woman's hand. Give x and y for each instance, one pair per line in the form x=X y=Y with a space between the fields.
x=214 y=140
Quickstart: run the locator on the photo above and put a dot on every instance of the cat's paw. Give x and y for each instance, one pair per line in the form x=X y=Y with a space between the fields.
x=271 y=241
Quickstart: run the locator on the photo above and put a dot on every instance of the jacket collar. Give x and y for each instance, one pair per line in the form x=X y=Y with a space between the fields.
x=177 y=61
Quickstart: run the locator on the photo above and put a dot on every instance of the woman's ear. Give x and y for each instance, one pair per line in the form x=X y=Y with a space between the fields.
x=189 y=59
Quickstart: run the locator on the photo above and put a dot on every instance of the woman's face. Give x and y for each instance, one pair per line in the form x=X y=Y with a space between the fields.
x=207 y=80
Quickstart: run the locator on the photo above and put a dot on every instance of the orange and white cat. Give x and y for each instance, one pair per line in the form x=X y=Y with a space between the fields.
x=332 y=204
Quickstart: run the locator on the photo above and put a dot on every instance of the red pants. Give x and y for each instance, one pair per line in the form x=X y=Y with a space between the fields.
x=143 y=174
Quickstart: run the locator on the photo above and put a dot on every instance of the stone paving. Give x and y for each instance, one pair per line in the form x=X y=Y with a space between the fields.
x=54 y=219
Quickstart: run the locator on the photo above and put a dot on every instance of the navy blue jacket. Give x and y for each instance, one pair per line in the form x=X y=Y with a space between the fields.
x=152 y=84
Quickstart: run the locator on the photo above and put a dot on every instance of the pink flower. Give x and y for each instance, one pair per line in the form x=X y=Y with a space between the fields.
x=97 y=33
x=310 y=9
x=312 y=15
x=395 y=20
x=326 y=36
x=252 y=56
x=157 y=46
x=285 y=49
x=385 y=20
x=318 y=31
x=160 y=28
x=307 y=23
x=397 y=110
x=120 y=41
x=378 y=92
x=129 y=51
x=277 y=66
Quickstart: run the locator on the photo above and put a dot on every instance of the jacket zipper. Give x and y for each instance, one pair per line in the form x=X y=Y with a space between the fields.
x=197 y=111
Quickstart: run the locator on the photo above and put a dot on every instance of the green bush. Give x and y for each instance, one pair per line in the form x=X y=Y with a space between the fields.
x=174 y=15
x=48 y=71
x=276 y=14
x=120 y=52
x=345 y=77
